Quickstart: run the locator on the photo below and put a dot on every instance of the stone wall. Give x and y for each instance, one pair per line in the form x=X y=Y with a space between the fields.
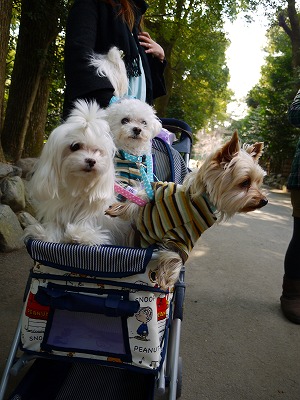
x=16 y=210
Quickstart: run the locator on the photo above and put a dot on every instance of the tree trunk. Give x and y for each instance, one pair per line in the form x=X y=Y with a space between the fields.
x=293 y=31
x=34 y=139
x=38 y=28
x=5 y=19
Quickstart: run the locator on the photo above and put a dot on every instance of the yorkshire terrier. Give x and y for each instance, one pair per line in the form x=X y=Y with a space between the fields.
x=227 y=183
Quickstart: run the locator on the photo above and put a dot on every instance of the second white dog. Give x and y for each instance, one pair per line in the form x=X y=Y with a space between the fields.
x=133 y=124
x=73 y=181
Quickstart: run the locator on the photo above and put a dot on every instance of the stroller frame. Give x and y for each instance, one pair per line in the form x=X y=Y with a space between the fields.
x=167 y=378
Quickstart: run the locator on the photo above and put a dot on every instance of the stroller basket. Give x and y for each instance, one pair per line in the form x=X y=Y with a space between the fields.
x=96 y=330
x=77 y=306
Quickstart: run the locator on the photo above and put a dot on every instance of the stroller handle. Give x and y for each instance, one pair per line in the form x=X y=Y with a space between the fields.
x=185 y=141
x=177 y=125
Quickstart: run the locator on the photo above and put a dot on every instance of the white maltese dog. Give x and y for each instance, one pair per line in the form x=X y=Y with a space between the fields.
x=133 y=123
x=73 y=181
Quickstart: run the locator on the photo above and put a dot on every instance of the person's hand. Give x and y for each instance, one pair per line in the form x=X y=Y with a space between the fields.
x=151 y=47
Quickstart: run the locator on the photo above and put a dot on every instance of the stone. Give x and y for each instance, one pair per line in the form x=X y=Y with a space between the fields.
x=9 y=170
x=26 y=165
x=11 y=233
x=13 y=193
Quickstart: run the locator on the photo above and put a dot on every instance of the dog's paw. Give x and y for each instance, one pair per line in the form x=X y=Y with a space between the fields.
x=35 y=231
x=169 y=266
x=118 y=210
x=81 y=234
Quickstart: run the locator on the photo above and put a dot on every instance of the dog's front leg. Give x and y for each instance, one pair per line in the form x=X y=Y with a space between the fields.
x=86 y=234
x=169 y=266
x=125 y=211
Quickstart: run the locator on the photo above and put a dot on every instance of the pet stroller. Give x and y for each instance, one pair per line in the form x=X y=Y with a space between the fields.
x=95 y=325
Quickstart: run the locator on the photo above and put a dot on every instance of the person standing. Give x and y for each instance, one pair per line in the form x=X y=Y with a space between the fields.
x=290 y=298
x=94 y=26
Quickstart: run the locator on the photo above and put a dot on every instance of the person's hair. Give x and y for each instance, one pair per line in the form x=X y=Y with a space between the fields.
x=126 y=12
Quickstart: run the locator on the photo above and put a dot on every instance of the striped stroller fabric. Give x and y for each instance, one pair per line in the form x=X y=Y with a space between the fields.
x=96 y=260
x=169 y=166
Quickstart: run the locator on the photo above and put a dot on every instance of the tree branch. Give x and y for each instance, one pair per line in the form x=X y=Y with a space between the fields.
x=283 y=24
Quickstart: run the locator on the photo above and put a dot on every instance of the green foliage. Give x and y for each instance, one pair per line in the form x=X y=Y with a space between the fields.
x=13 y=39
x=55 y=103
x=269 y=100
x=193 y=35
x=201 y=87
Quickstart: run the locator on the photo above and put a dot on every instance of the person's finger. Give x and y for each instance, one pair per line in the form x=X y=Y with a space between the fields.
x=145 y=34
x=145 y=44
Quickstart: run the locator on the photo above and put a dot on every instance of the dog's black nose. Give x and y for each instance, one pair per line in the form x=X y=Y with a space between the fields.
x=90 y=161
x=263 y=202
x=136 y=130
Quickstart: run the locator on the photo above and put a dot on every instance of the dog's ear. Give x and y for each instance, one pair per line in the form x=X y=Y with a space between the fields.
x=229 y=150
x=255 y=150
x=46 y=176
x=156 y=126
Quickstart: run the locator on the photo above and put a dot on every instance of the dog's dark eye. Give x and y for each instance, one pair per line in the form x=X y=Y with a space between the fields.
x=246 y=183
x=75 y=146
x=125 y=121
x=144 y=123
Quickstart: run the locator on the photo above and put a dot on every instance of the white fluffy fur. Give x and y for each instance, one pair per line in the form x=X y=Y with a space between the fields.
x=230 y=177
x=142 y=125
x=73 y=181
x=133 y=123
x=112 y=66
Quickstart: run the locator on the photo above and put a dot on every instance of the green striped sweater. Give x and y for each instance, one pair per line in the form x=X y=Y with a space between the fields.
x=173 y=219
x=127 y=172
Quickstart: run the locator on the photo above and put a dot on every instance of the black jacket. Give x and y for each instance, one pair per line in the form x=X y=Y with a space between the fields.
x=93 y=26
